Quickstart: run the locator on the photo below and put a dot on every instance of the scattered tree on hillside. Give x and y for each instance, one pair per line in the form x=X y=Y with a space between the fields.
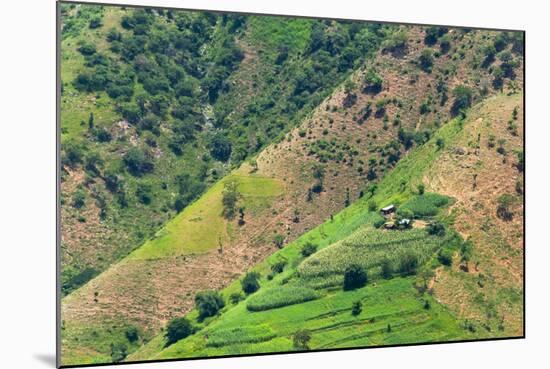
x=463 y=99
x=250 y=283
x=208 y=303
x=354 y=277
x=308 y=249
x=177 y=329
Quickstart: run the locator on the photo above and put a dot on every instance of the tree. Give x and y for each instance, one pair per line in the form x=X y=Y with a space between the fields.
x=208 y=303
x=177 y=329
x=230 y=197
x=301 y=339
x=220 y=147
x=436 y=229
x=356 y=308
x=250 y=283
x=132 y=334
x=354 y=277
x=463 y=99
x=308 y=249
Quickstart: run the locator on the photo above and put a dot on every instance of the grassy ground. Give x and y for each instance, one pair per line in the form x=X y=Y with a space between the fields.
x=201 y=226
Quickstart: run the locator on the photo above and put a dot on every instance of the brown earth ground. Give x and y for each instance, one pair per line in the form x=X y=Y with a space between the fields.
x=489 y=288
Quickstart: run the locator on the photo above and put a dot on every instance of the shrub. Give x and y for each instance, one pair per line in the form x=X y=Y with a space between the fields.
x=408 y=263
x=436 y=229
x=278 y=266
x=279 y=297
x=386 y=269
x=278 y=240
x=118 y=352
x=372 y=82
x=504 y=203
x=208 y=303
x=445 y=256
x=426 y=60
x=236 y=297
x=308 y=249
x=144 y=193
x=177 y=329
x=79 y=198
x=356 y=308
x=354 y=277
x=250 y=283
x=137 y=162
x=440 y=143
x=301 y=339
x=421 y=188
x=433 y=33
x=132 y=334
x=87 y=48
x=372 y=205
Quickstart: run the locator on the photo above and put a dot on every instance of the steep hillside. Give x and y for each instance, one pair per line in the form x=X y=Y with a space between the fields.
x=159 y=105
x=395 y=308
x=394 y=102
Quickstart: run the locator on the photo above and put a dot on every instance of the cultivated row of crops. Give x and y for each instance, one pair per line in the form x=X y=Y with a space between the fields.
x=280 y=296
x=239 y=335
x=426 y=205
x=369 y=248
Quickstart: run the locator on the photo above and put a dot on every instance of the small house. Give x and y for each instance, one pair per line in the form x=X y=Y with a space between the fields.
x=405 y=222
x=388 y=210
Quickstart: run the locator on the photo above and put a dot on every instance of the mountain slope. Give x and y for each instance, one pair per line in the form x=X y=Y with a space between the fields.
x=394 y=311
x=334 y=156
x=157 y=106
